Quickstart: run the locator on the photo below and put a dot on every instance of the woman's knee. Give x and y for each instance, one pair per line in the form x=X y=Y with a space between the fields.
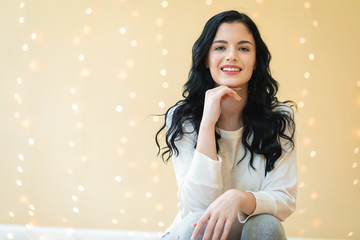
x=185 y=229
x=263 y=226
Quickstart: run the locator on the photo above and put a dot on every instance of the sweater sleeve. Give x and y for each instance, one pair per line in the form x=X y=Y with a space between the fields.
x=277 y=195
x=198 y=177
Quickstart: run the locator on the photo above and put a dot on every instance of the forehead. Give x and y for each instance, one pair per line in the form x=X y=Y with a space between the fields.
x=234 y=31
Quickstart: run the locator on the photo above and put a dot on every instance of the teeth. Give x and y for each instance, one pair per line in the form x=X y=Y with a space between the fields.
x=231 y=69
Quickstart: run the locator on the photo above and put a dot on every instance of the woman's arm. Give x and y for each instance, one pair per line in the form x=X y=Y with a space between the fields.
x=198 y=177
x=198 y=172
x=222 y=212
x=206 y=143
x=277 y=195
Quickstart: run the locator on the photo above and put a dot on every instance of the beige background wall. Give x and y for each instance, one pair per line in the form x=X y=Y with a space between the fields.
x=79 y=81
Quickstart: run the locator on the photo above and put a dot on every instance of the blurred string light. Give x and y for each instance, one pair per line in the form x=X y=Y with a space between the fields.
x=159 y=21
x=134 y=13
x=165 y=52
x=124 y=140
x=81 y=57
x=163 y=72
x=25 y=47
x=164 y=4
x=88 y=11
x=122 y=30
x=133 y=43
x=159 y=37
x=311 y=56
x=119 y=108
x=122 y=75
x=87 y=29
x=132 y=95
x=76 y=40
x=130 y=63
x=306 y=75
x=302 y=40
x=356 y=181
x=132 y=123
x=76 y=210
x=165 y=84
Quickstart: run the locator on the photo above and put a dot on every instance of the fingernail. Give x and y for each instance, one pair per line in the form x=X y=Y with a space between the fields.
x=194 y=224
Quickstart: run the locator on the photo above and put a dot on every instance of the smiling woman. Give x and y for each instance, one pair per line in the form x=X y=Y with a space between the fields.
x=231 y=140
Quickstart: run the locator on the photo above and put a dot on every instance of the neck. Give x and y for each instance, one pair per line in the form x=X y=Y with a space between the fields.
x=231 y=112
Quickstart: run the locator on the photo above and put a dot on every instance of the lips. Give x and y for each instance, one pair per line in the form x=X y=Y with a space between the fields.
x=231 y=69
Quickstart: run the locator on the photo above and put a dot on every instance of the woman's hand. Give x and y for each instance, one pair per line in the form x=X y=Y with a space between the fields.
x=213 y=100
x=220 y=215
x=212 y=110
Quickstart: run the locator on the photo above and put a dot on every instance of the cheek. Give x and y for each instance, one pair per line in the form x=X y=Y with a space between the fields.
x=213 y=60
x=249 y=61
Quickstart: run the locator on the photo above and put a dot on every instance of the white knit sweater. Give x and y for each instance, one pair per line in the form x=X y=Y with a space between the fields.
x=201 y=180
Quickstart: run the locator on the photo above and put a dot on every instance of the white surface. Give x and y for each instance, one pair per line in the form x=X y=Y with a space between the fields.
x=20 y=232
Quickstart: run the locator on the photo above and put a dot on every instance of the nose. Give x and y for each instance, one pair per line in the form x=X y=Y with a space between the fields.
x=232 y=55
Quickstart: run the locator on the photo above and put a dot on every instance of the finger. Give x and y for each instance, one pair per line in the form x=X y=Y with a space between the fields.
x=230 y=92
x=226 y=231
x=224 y=98
x=217 y=230
x=235 y=96
x=209 y=229
x=200 y=224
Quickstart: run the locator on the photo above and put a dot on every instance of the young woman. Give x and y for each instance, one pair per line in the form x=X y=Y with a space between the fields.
x=231 y=139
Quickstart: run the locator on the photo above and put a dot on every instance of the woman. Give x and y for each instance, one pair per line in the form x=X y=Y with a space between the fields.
x=231 y=140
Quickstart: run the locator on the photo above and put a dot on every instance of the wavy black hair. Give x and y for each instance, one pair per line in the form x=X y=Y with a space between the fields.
x=264 y=122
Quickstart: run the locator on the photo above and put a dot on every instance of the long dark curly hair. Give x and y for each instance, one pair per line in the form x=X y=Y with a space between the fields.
x=264 y=122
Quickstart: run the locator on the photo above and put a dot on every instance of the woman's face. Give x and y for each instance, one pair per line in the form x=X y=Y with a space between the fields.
x=231 y=58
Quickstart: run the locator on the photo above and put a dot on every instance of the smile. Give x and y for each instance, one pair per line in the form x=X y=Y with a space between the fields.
x=231 y=69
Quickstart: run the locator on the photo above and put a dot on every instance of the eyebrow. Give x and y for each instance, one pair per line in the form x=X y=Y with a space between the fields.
x=240 y=42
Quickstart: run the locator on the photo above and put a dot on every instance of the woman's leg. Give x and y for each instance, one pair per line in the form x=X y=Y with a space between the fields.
x=185 y=229
x=264 y=227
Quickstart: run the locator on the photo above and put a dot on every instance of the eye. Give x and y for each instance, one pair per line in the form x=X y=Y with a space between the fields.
x=220 y=48
x=244 y=49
